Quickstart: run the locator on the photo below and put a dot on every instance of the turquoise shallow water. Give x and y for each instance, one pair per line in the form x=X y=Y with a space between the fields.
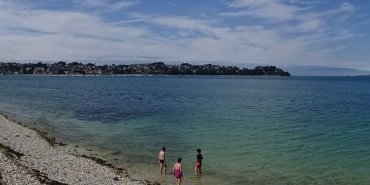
x=252 y=130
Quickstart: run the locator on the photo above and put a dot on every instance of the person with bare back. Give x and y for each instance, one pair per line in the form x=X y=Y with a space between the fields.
x=162 y=161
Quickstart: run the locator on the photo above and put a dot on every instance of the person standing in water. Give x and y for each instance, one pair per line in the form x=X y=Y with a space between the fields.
x=198 y=163
x=162 y=161
x=177 y=171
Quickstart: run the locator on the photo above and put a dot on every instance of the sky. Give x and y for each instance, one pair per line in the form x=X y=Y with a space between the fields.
x=330 y=33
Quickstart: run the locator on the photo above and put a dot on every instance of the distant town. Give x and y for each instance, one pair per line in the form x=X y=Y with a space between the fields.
x=76 y=68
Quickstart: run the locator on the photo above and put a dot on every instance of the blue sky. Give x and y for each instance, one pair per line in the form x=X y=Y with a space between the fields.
x=330 y=33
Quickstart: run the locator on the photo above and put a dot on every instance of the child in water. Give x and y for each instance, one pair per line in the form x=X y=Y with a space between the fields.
x=177 y=171
x=198 y=163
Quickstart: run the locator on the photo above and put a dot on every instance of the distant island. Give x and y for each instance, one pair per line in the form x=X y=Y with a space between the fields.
x=76 y=68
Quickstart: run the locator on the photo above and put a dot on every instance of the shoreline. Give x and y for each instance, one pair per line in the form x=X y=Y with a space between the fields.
x=30 y=156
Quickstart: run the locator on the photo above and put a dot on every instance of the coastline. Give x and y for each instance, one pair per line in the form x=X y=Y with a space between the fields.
x=29 y=156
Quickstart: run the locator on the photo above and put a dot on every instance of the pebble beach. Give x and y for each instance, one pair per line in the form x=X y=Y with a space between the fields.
x=26 y=157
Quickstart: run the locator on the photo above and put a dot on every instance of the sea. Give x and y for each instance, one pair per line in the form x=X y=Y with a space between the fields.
x=251 y=130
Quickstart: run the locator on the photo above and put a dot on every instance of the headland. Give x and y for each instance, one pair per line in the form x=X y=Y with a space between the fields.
x=158 y=68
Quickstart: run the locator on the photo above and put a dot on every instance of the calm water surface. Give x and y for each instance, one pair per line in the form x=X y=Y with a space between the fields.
x=252 y=130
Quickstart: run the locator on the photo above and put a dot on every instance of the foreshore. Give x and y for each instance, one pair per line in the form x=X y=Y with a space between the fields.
x=28 y=157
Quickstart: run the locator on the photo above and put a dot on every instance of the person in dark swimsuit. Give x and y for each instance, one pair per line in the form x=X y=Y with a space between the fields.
x=162 y=161
x=198 y=163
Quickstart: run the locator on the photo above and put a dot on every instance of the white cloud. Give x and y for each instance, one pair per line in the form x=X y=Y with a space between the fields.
x=309 y=25
x=275 y=10
x=68 y=23
x=66 y=35
x=179 y=22
x=347 y=7
x=186 y=23
x=72 y=35
x=43 y=34
x=252 y=43
x=251 y=3
x=297 y=20
x=106 y=5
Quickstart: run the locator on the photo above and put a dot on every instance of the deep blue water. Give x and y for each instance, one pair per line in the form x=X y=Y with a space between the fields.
x=252 y=130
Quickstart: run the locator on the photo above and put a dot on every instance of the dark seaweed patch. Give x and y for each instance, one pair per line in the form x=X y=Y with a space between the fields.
x=10 y=152
x=43 y=178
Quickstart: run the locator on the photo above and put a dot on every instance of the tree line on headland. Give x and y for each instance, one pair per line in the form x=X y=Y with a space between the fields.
x=76 y=68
